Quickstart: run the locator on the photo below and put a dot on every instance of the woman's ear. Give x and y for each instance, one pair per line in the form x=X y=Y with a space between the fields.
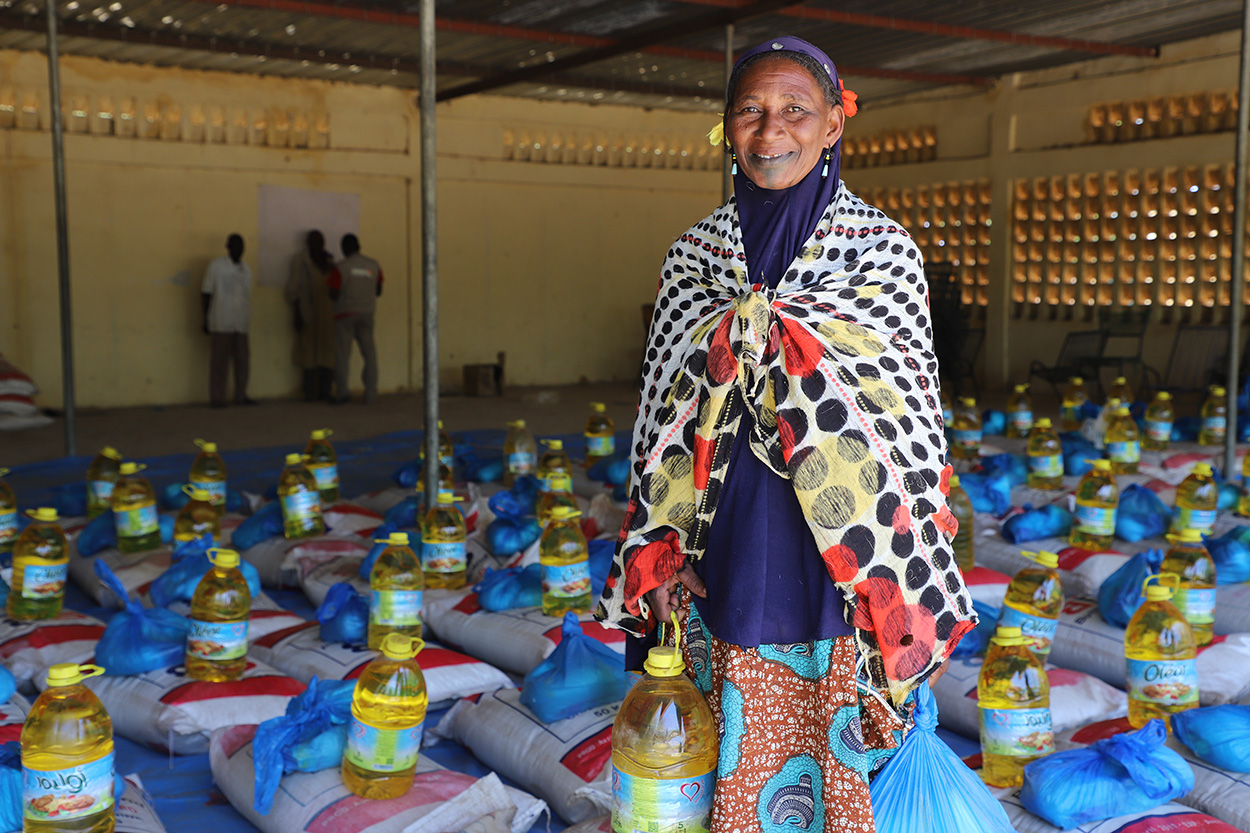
x=837 y=120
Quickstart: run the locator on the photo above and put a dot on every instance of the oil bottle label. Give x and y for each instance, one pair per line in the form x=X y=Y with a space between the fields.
x=397 y=608
x=556 y=482
x=1196 y=604
x=1127 y=451
x=326 y=475
x=1166 y=682
x=1158 y=431
x=447 y=460
x=600 y=446
x=566 y=581
x=135 y=523
x=217 y=640
x=383 y=750
x=442 y=557
x=1021 y=420
x=59 y=795
x=301 y=506
x=1202 y=520
x=41 y=581
x=969 y=440
x=8 y=526
x=216 y=490
x=100 y=491
x=1215 y=424
x=1094 y=520
x=1039 y=630
x=1049 y=465
x=1068 y=414
x=520 y=462
x=1017 y=733
x=661 y=805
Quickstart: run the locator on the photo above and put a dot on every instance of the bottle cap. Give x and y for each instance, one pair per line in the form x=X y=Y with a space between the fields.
x=1121 y=411
x=517 y=423
x=954 y=481
x=447 y=498
x=1044 y=557
x=598 y=407
x=320 y=433
x=3 y=471
x=1160 y=592
x=128 y=469
x=1113 y=402
x=1188 y=535
x=666 y=661
x=968 y=401
x=223 y=558
x=1218 y=391
x=1204 y=470
x=1009 y=635
x=206 y=447
x=1120 y=380
x=564 y=513
x=44 y=513
x=111 y=453
x=1043 y=422
x=1163 y=396
x=71 y=673
x=554 y=445
x=440 y=425
x=1101 y=465
x=294 y=459
x=1076 y=380
x=196 y=493
x=399 y=646
x=395 y=539
x=1021 y=388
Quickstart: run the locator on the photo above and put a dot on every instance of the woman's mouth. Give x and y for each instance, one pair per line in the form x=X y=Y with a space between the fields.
x=771 y=158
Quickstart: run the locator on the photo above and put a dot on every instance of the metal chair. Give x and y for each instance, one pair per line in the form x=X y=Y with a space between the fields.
x=1124 y=334
x=1078 y=356
x=1199 y=357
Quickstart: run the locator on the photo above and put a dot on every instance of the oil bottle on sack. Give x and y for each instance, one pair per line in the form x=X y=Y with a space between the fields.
x=40 y=567
x=1045 y=454
x=1123 y=442
x=300 y=499
x=1019 y=412
x=1191 y=563
x=134 y=511
x=220 y=606
x=446 y=448
x=388 y=716
x=1034 y=601
x=1160 y=652
x=965 y=538
x=1097 y=498
x=1214 y=423
x=443 y=534
x=600 y=434
x=323 y=464
x=67 y=757
x=565 y=559
x=102 y=476
x=396 y=585
x=1121 y=390
x=198 y=516
x=1013 y=696
x=664 y=751
x=1197 y=498
x=520 y=453
x=1074 y=396
x=966 y=430
x=1160 y=415
x=208 y=472
x=555 y=461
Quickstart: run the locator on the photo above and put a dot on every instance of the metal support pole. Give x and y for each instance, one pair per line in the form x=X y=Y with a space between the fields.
x=727 y=180
x=429 y=249
x=62 y=237
x=1237 y=305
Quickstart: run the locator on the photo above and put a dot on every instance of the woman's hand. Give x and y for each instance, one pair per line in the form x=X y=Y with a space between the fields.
x=937 y=675
x=664 y=599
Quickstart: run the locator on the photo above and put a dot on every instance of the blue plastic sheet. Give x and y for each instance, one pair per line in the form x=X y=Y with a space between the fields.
x=344 y=615
x=1014 y=466
x=993 y=422
x=988 y=492
x=1231 y=554
x=265 y=524
x=613 y=470
x=1128 y=773
x=580 y=674
x=310 y=737
x=975 y=642
x=1121 y=593
x=138 y=639
x=189 y=563
x=1140 y=515
x=510 y=588
x=70 y=499
x=925 y=786
x=1050 y=521
x=1219 y=735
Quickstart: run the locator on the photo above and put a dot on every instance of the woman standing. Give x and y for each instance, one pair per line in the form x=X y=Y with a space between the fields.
x=314 y=315
x=789 y=464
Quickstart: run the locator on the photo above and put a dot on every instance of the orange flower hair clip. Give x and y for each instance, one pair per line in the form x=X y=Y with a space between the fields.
x=849 y=100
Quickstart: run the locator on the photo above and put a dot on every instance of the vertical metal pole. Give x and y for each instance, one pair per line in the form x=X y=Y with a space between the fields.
x=62 y=237
x=727 y=180
x=429 y=249
x=1237 y=290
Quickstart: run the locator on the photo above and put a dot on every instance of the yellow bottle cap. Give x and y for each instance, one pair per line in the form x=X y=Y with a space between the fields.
x=128 y=469
x=1101 y=465
x=517 y=423
x=294 y=459
x=666 y=661
x=968 y=401
x=223 y=558
x=1203 y=470
x=1120 y=380
x=1076 y=380
x=320 y=433
x=111 y=453
x=1009 y=635
x=598 y=407
x=447 y=498
x=206 y=447
x=399 y=646
x=180 y=537
x=1218 y=391
x=1021 y=388
x=3 y=471
x=1043 y=422
x=44 y=513
x=1160 y=592
x=1185 y=536
x=196 y=493
x=1163 y=396
x=1121 y=411
x=1113 y=402
x=554 y=445
x=1044 y=557
x=71 y=673
x=954 y=481
x=564 y=513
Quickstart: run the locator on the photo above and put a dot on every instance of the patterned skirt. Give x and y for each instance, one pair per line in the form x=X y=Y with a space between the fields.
x=798 y=740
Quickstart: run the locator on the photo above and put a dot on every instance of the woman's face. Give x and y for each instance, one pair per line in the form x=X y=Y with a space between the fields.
x=779 y=123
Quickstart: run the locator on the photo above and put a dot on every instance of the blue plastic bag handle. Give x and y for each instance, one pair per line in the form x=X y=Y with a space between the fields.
x=1133 y=752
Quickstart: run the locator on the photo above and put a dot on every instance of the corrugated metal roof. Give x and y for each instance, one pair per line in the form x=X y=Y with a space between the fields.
x=885 y=47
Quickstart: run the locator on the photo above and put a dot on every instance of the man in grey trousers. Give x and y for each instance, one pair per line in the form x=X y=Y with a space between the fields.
x=355 y=284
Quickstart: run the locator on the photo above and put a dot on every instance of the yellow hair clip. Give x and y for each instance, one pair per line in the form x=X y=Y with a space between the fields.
x=716 y=136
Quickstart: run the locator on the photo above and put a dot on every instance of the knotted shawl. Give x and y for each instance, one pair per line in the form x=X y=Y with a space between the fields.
x=837 y=367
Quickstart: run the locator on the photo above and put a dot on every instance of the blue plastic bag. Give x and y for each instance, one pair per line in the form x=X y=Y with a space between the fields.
x=408 y=474
x=508 y=536
x=975 y=642
x=510 y=588
x=993 y=422
x=1121 y=592
x=1014 y=466
x=1140 y=515
x=517 y=502
x=1185 y=429
x=1219 y=735
x=344 y=615
x=988 y=492
x=265 y=524
x=580 y=674
x=1129 y=773
x=310 y=737
x=8 y=685
x=173 y=498
x=1231 y=555
x=1230 y=495
x=70 y=500
x=380 y=536
x=189 y=563
x=98 y=535
x=139 y=639
x=1051 y=521
x=405 y=514
x=600 y=554
x=479 y=468
x=612 y=470
x=1088 y=410
x=925 y=786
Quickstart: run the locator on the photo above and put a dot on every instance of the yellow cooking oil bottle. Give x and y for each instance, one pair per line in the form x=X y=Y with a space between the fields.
x=1074 y=396
x=1120 y=389
x=1019 y=412
x=600 y=434
x=966 y=431
x=443 y=534
x=1160 y=652
x=323 y=463
x=396 y=585
x=520 y=452
x=208 y=472
x=40 y=567
x=1123 y=442
x=1196 y=500
x=1097 y=498
x=446 y=448
x=198 y=516
x=664 y=750
x=1214 y=424
x=1033 y=602
x=1013 y=696
x=1160 y=414
x=102 y=476
x=564 y=556
x=555 y=461
x=67 y=757
x=300 y=499
x=220 y=606
x=1189 y=560
x=446 y=481
x=8 y=515
x=388 y=717
x=134 y=511
x=1045 y=453
x=1243 y=502
x=964 y=543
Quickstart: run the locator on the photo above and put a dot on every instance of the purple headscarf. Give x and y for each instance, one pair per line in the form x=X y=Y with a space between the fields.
x=776 y=224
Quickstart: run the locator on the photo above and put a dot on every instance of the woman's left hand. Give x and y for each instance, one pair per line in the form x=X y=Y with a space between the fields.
x=664 y=599
x=937 y=675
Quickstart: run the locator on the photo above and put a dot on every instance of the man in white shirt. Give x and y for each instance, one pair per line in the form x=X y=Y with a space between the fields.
x=227 y=296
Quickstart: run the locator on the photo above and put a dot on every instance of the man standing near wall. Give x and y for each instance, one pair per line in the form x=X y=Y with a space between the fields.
x=227 y=297
x=355 y=284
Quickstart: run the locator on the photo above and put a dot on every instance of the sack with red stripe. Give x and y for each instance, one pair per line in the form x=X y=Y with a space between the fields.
x=565 y=763
x=449 y=675
x=13 y=380
x=27 y=648
x=1081 y=572
x=135 y=811
x=1166 y=818
x=514 y=640
x=279 y=560
x=987 y=586
x=439 y=800
x=168 y=711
